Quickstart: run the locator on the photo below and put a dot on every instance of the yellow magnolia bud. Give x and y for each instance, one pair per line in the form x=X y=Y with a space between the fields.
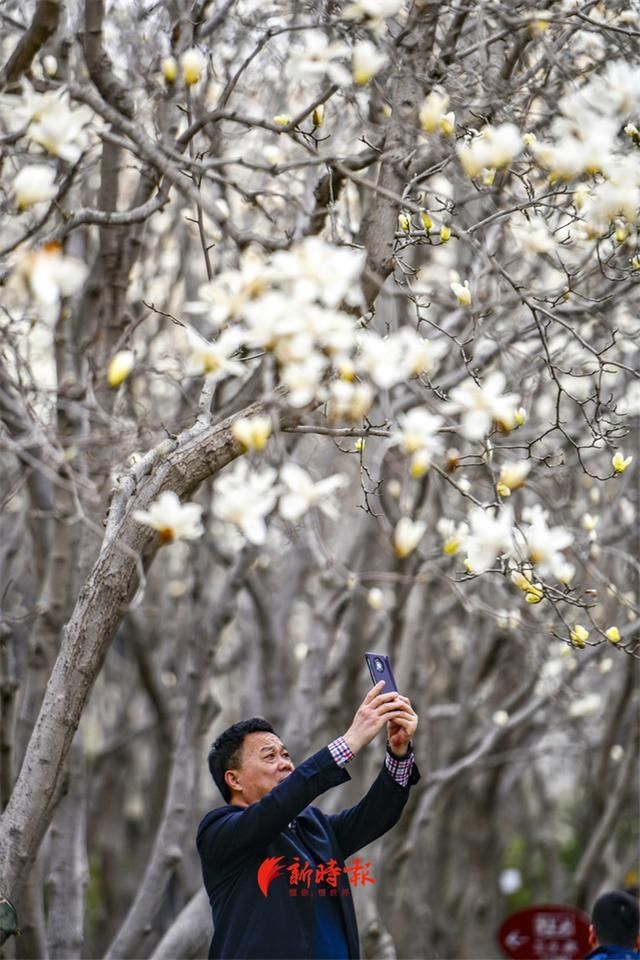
x=533 y=597
x=427 y=222
x=578 y=635
x=120 y=367
x=50 y=65
x=386 y=111
x=404 y=222
x=445 y=233
x=513 y=476
x=622 y=232
x=468 y=565
x=193 y=64
x=375 y=598
x=252 y=432
x=502 y=489
x=520 y=580
x=520 y=417
x=169 y=67
x=488 y=175
x=359 y=445
x=612 y=635
x=419 y=465
x=448 y=124
x=635 y=263
x=451 y=546
x=282 y=119
x=318 y=116
x=619 y=462
x=632 y=131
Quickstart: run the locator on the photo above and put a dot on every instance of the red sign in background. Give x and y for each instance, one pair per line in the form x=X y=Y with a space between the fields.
x=546 y=932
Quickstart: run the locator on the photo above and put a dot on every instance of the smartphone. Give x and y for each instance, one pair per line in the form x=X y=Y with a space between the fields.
x=380 y=669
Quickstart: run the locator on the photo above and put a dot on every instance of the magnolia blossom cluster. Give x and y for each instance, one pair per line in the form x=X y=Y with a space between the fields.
x=48 y=119
x=588 y=137
x=314 y=56
x=490 y=535
x=289 y=306
x=246 y=495
x=49 y=275
x=489 y=150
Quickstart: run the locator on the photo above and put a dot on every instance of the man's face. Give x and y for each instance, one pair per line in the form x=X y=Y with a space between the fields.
x=264 y=763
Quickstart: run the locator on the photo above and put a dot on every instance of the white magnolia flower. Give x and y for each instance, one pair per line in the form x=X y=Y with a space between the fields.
x=271 y=317
x=493 y=148
x=245 y=497
x=59 y=128
x=407 y=535
x=532 y=234
x=587 y=705
x=576 y=152
x=385 y=359
x=252 y=432
x=618 y=196
x=512 y=476
x=303 y=493
x=421 y=355
x=453 y=534
x=373 y=13
x=193 y=64
x=225 y=296
x=366 y=61
x=462 y=292
x=213 y=358
x=172 y=519
x=490 y=537
x=332 y=330
x=418 y=431
x=616 y=90
x=294 y=349
x=433 y=109
x=169 y=68
x=481 y=406
x=33 y=184
x=303 y=380
x=50 y=275
x=349 y=401
x=317 y=58
x=540 y=544
x=317 y=270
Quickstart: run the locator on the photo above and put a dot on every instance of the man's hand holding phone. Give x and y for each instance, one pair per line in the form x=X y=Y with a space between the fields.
x=400 y=729
x=376 y=710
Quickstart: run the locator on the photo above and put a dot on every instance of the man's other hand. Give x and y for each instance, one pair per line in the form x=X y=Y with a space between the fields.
x=376 y=710
x=400 y=729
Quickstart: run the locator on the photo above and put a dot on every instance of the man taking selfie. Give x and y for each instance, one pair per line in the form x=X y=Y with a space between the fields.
x=252 y=847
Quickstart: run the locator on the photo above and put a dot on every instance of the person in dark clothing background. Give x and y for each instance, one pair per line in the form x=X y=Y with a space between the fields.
x=268 y=822
x=615 y=927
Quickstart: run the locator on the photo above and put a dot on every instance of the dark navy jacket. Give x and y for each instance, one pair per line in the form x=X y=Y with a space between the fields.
x=233 y=841
x=613 y=953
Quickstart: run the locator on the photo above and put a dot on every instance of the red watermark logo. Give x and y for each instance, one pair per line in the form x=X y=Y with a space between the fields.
x=324 y=876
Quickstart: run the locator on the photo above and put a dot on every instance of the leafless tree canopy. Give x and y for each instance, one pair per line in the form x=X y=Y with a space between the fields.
x=318 y=334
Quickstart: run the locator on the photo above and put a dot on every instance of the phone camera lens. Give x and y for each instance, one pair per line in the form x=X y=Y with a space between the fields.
x=378 y=665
